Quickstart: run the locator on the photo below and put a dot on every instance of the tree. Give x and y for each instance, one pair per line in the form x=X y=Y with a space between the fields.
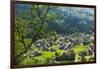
x=28 y=28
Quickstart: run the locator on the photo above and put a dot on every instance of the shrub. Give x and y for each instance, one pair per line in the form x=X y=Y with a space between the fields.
x=83 y=53
x=52 y=50
x=86 y=42
x=83 y=59
x=69 y=56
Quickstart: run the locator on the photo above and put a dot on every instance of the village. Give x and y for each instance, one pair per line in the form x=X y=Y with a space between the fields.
x=78 y=47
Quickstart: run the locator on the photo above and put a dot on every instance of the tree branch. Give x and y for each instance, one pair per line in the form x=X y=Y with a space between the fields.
x=38 y=32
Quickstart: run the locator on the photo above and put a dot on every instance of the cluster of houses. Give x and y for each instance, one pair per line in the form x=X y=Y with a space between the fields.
x=66 y=42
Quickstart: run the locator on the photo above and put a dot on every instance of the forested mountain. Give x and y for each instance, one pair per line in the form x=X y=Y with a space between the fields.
x=67 y=19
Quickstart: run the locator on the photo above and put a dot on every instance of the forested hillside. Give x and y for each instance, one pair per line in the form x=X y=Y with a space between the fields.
x=71 y=18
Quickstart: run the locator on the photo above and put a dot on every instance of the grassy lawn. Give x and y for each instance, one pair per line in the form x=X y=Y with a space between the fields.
x=79 y=48
x=46 y=54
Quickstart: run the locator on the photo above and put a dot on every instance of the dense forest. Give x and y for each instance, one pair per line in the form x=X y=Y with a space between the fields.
x=47 y=34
